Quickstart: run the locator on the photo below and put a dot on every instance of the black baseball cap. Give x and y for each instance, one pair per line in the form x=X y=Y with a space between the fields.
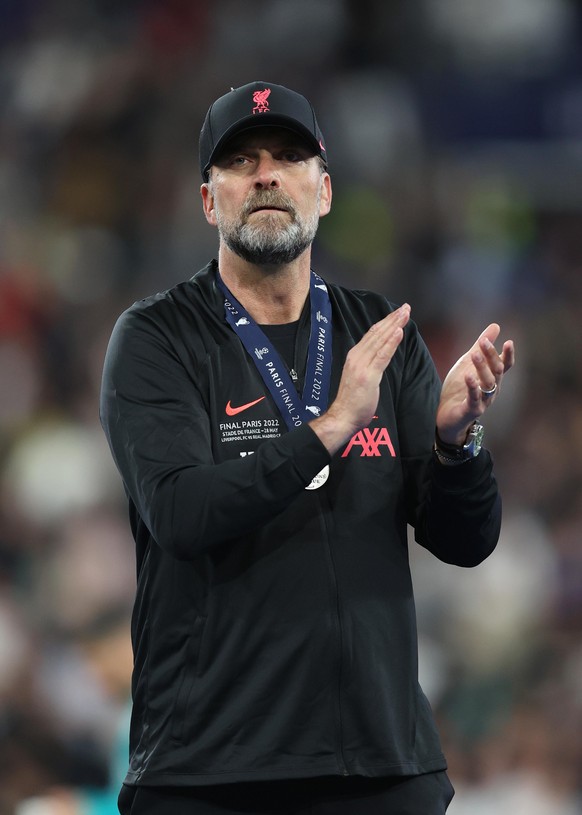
x=258 y=104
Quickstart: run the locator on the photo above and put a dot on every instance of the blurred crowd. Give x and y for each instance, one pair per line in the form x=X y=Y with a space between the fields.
x=454 y=130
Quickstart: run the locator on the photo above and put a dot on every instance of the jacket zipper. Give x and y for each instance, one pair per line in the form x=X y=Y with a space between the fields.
x=297 y=373
x=342 y=764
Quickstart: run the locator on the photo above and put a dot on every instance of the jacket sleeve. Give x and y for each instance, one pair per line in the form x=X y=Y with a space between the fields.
x=455 y=511
x=158 y=429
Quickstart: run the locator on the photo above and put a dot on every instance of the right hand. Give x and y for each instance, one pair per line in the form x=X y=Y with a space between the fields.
x=359 y=389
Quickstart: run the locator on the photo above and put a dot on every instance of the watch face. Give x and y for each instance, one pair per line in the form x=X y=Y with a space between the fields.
x=474 y=440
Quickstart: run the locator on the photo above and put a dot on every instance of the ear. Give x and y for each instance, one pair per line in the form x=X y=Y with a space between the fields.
x=325 y=200
x=208 y=203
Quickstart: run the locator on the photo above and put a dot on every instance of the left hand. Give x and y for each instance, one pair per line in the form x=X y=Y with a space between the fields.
x=463 y=396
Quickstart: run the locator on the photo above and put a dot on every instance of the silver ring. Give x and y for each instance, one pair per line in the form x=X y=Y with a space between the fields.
x=488 y=394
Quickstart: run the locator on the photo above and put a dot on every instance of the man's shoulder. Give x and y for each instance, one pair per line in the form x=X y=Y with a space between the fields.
x=182 y=323
x=363 y=302
x=187 y=296
x=361 y=308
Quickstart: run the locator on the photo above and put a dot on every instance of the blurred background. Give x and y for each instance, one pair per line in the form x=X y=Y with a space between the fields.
x=454 y=130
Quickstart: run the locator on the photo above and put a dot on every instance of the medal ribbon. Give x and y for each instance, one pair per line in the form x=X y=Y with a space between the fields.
x=294 y=409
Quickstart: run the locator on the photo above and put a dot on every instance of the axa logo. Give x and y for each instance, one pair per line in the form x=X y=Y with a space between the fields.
x=369 y=441
x=261 y=100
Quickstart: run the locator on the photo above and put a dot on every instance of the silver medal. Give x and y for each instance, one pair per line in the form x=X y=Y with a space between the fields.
x=319 y=479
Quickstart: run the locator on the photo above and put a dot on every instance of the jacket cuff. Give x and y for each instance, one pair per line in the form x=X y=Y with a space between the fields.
x=462 y=475
x=307 y=452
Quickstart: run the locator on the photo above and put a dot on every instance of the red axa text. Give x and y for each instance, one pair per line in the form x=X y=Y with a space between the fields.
x=369 y=441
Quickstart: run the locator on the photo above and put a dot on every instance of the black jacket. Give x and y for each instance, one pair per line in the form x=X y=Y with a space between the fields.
x=274 y=628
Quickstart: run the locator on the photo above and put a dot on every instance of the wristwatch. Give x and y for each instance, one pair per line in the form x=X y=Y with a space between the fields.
x=451 y=454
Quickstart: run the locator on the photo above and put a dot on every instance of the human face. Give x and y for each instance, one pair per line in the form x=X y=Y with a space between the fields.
x=266 y=194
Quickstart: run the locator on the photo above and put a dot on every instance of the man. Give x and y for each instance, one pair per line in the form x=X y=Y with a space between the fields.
x=275 y=435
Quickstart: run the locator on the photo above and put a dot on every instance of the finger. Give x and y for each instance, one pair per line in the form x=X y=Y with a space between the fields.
x=491 y=333
x=394 y=334
x=386 y=351
x=398 y=317
x=372 y=354
x=385 y=330
x=508 y=355
x=473 y=392
x=487 y=368
x=483 y=347
x=492 y=358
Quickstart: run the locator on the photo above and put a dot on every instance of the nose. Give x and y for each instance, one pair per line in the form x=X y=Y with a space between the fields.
x=266 y=173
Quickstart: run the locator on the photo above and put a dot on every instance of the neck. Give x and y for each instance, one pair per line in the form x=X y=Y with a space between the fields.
x=271 y=295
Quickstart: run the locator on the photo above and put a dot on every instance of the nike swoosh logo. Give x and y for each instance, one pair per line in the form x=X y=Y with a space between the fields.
x=232 y=411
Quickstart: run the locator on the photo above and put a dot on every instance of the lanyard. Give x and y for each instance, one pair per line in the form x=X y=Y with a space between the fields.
x=295 y=409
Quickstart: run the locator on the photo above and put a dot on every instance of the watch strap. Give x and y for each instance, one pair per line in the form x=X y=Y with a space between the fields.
x=452 y=454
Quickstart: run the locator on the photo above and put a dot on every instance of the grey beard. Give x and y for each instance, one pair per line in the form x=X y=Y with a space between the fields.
x=266 y=246
x=268 y=243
